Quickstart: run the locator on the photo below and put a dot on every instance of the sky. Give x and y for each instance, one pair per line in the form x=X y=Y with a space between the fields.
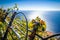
x=48 y=10
x=32 y=4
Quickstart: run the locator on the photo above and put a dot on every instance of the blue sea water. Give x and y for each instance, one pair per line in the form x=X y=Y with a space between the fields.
x=53 y=19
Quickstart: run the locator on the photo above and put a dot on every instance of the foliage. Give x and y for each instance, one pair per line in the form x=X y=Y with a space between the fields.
x=19 y=25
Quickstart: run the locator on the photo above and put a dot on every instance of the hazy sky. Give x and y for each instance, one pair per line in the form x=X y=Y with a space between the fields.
x=32 y=4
